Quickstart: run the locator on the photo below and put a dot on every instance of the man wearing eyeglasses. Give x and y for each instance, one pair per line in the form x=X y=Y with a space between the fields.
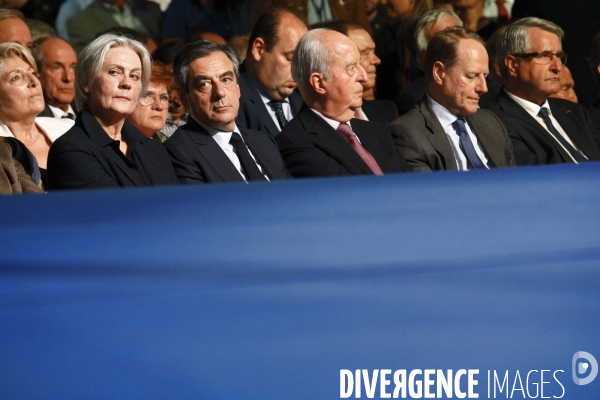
x=543 y=130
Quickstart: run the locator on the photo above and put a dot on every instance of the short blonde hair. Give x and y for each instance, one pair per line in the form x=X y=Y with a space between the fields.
x=92 y=57
x=14 y=49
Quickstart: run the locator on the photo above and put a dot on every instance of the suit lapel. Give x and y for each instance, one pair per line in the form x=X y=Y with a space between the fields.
x=485 y=140
x=332 y=140
x=210 y=150
x=259 y=153
x=258 y=103
x=511 y=107
x=571 y=125
x=437 y=136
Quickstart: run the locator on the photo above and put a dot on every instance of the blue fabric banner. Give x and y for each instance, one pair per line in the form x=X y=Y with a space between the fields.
x=284 y=290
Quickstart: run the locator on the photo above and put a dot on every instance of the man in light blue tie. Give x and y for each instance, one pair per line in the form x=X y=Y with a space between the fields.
x=447 y=130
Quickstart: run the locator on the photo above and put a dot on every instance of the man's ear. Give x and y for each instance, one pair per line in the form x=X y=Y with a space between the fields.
x=258 y=48
x=438 y=72
x=318 y=83
x=598 y=68
x=512 y=65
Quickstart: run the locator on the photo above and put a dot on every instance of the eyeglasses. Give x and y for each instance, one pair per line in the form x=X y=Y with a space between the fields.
x=543 y=57
x=150 y=98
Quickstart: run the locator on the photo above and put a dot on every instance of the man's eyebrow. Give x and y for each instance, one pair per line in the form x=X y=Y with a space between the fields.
x=199 y=78
x=226 y=74
x=351 y=64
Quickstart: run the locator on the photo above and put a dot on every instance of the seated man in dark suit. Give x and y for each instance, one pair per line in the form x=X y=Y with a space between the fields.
x=383 y=111
x=56 y=61
x=447 y=130
x=323 y=139
x=268 y=99
x=543 y=131
x=595 y=65
x=421 y=28
x=210 y=147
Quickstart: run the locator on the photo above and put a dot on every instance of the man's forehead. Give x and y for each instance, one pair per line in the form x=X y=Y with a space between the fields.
x=216 y=62
x=543 y=38
x=50 y=46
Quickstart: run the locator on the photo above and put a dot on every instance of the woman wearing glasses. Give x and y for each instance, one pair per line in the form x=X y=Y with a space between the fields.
x=103 y=149
x=150 y=115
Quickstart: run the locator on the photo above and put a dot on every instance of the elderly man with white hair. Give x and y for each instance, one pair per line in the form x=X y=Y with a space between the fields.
x=324 y=139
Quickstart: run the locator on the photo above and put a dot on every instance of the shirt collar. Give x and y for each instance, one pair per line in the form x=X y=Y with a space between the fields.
x=220 y=136
x=445 y=117
x=334 y=124
x=530 y=107
x=58 y=113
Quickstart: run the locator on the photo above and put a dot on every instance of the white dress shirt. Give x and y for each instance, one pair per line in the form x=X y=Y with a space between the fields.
x=53 y=128
x=534 y=110
x=446 y=119
x=222 y=138
x=58 y=113
x=362 y=114
x=334 y=124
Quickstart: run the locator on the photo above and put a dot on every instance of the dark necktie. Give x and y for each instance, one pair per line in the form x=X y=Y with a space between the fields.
x=248 y=164
x=68 y=116
x=473 y=160
x=570 y=149
x=278 y=108
x=346 y=132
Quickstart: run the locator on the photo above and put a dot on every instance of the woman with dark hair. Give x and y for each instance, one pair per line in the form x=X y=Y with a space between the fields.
x=103 y=149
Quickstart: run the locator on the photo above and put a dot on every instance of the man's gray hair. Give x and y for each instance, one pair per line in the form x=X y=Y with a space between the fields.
x=415 y=31
x=7 y=13
x=92 y=57
x=310 y=56
x=515 y=39
x=195 y=50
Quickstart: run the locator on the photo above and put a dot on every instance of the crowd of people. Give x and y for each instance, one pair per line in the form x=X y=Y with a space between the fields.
x=127 y=93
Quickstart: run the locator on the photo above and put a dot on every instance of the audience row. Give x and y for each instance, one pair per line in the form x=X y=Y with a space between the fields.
x=302 y=104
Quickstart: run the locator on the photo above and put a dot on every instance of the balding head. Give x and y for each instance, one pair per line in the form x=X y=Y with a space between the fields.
x=56 y=61
x=327 y=68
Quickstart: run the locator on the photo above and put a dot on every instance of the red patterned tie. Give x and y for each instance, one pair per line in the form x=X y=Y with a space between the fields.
x=346 y=132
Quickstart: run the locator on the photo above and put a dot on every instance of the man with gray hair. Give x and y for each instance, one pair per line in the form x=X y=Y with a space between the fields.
x=14 y=29
x=543 y=130
x=210 y=147
x=324 y=139
x=420 y=30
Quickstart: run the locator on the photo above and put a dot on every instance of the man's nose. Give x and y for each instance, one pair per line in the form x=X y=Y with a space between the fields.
x=362 y=74
x=481 y=85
